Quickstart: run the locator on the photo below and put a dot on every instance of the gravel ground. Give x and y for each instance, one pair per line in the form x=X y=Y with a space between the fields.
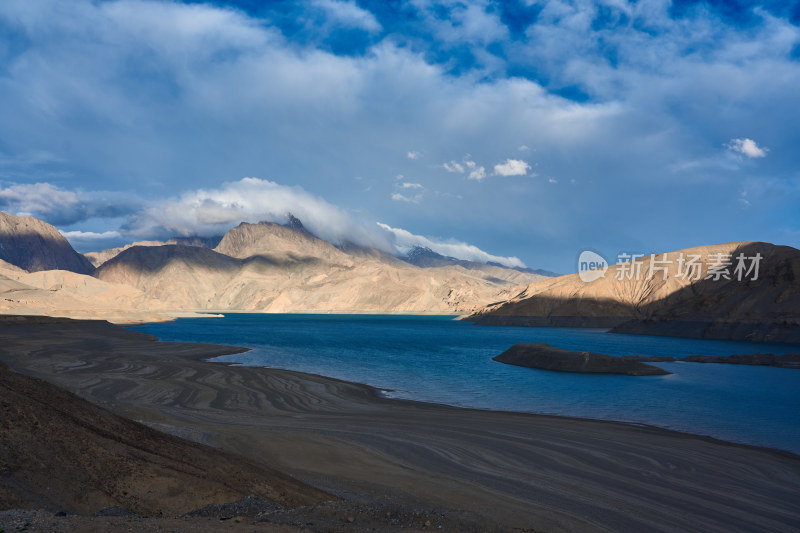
x=252 y=514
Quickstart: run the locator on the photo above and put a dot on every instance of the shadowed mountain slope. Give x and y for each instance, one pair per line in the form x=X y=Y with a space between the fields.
x=98 y=258
x=34 y=245
x=667 y=303
x=181 y=277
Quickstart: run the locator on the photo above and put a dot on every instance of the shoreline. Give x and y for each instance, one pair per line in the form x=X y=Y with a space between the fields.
x=378 y=393
x=628 y=422
x=521 y=470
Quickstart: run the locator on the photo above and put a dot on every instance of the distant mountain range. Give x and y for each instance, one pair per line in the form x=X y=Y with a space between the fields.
x=253 y=267
x=268 y=267
x=280 y=268
x=427 y=258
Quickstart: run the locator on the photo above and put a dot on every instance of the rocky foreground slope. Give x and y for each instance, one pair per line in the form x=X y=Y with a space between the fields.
x=63 y=453
x=711 y=301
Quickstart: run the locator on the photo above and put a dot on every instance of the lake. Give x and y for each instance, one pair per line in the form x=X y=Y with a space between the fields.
x=438 y=359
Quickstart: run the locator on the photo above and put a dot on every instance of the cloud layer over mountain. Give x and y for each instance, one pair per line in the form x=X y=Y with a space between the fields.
x=212 y=212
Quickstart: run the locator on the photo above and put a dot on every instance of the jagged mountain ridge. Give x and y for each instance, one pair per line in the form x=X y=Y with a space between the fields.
x=287 y=243
x=98 y=258
x=275 y=268
x=292 y=239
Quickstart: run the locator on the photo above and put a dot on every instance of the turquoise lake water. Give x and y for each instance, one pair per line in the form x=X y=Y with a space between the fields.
x=438 y=359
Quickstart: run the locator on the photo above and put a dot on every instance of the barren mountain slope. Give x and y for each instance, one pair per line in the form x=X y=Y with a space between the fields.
x=34 y=245
x=771 y=299
x=275 y=268
x=63 y=293
x=180 y=277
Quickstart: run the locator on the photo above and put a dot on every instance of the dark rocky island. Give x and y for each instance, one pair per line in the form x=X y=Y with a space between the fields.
x=543 y=356
x=546 y=357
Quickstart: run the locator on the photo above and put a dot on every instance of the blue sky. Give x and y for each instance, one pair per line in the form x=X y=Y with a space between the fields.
x=522 y=132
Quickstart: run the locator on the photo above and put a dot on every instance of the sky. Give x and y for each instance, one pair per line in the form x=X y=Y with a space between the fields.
x=520 y=132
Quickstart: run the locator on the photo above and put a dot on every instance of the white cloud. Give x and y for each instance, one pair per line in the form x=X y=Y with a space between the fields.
x=405 y=241
x=476 y=172
x=552 y=180
x=453 y=166
x=26 y=199
x=413 y=155
x=214 y=211
x=59 y=206
x=398 y=197
x=91 y=235
x=348 y=14
x=747 y=147
x=523 y=148
x=512 y=167
x=469 y=22
x=412 y=192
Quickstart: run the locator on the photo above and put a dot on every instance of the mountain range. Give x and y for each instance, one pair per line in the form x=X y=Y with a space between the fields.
x=264 y=267
x=269 y=267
